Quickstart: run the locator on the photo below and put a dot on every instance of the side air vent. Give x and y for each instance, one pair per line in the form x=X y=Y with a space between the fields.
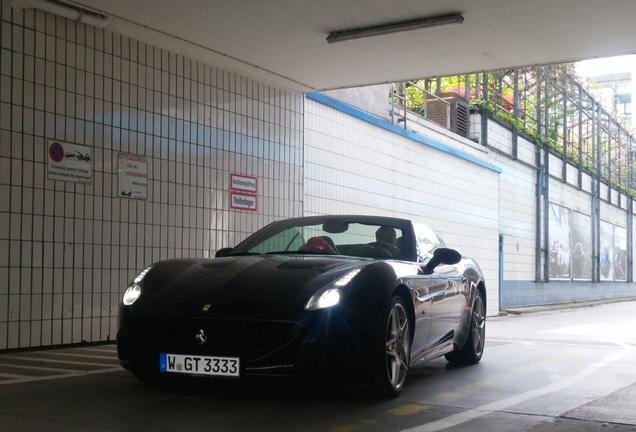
x=451 y=111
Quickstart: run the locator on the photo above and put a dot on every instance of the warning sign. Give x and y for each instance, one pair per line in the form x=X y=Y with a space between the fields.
x=243 y=192
x=70 y=162
x=132 y=171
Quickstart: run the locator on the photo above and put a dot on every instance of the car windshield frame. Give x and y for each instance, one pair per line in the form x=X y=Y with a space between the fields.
x=332 y=226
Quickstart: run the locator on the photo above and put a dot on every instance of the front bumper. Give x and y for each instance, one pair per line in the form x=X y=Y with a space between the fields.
x=317 y=343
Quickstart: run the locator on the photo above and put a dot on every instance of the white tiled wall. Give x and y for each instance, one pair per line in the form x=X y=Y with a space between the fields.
x=68 y=250
x=526 y=151
x=569 y=196
x=517 y=218
x=353 y=166
x=518 y=208
x=556 y=165
x=499 y=136
x=613 y=214
x=518 y=214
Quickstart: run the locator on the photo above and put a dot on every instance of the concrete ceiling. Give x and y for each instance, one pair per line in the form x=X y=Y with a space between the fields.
x=283 y=42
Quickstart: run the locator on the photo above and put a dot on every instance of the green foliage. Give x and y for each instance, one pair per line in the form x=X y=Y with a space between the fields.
x=415 y=98
x=481 y=106
x=541 y=112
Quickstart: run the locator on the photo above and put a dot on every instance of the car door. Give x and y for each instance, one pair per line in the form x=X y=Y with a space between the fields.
x=448 y=305
x=425 y=289
x=443 y=288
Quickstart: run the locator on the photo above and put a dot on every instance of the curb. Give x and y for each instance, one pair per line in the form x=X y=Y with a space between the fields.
x=562 y=306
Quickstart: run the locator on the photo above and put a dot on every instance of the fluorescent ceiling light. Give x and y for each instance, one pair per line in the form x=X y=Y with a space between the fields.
x=345 y=35
x=64 y=10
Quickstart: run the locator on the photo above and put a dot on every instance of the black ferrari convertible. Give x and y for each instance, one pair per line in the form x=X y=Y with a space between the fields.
x=363 y=297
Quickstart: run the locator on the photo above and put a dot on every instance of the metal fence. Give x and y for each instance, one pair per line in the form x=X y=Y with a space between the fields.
x=548 y=105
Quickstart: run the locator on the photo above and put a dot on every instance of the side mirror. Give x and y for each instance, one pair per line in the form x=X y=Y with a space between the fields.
x=442 y=256
x=223 y=252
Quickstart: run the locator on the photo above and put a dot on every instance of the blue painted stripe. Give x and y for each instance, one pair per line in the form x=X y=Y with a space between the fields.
x=354 y=112
x=163 y=362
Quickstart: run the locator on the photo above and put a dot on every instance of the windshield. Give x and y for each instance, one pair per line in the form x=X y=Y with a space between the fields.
x=368 y=237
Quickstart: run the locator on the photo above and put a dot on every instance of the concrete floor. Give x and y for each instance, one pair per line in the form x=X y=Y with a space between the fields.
x=550 y=370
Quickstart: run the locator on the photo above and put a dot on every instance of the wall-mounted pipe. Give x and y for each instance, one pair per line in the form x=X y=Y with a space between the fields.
x=64 y=10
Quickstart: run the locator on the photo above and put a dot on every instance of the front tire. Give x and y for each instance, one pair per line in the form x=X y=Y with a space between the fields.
x=393 y=359
x=473 y=349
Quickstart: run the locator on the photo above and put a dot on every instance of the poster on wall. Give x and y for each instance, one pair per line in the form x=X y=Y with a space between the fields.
x=70 y=162
x=606 y=252
x=132 y=173
x=620 y=253
x=582 y=246
x=559 y=242
x=243 y=192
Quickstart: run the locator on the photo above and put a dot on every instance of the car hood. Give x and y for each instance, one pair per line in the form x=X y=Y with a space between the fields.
x=276 y=284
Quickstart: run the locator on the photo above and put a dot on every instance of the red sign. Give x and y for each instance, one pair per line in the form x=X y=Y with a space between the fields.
x=56 y=151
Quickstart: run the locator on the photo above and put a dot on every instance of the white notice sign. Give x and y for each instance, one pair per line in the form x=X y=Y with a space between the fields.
x=243 y=201
x=243 y=192
x=243 y=183
x=70 y=162
x=132 y=171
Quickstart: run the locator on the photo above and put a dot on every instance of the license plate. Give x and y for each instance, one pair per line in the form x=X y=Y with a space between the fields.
x=201 y=365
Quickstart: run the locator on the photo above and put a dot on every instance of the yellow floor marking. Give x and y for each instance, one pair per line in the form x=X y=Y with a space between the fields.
x=408 y=409
x=356 y=426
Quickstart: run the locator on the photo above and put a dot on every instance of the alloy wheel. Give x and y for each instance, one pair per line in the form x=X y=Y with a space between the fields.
x=398 y=349
x=478 y=326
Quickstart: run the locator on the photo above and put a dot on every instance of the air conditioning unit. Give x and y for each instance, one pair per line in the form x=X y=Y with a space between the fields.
x=451 y=111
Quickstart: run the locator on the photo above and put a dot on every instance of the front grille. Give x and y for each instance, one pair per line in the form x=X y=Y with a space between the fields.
x=248 y=339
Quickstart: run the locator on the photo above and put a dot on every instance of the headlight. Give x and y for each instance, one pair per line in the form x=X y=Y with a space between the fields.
x=134 y=291
x=325 y=299
x=332 y=296
x=343 y=280
x=132 y=294
x=142 y=275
